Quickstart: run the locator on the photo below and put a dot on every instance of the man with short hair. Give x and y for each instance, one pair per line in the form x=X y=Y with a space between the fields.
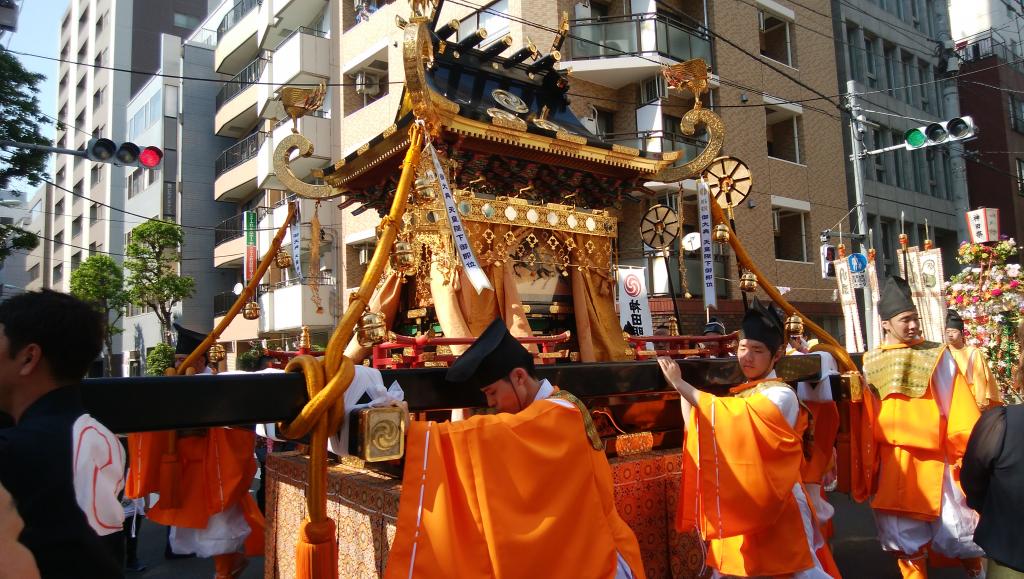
x=921 y=413
x=521 y=494
x=972 y=364
x=742 y=465
x=63 y=468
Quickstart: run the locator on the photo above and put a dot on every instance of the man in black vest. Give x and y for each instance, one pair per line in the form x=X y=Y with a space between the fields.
x=993 y=480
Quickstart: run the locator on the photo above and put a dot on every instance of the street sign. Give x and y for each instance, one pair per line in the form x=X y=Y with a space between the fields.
x=858 y=262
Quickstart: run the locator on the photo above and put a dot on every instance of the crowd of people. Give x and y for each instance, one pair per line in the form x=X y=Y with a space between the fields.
x=527 y=490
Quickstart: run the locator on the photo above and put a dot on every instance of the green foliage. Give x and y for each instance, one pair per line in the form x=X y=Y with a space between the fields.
x=99 y=280
x=20 y=118
x=12 y=237
x=159 y=359
x=250 y=359
x=152 y=261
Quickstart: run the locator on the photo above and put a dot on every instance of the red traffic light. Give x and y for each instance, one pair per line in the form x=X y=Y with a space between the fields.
x=150 y=157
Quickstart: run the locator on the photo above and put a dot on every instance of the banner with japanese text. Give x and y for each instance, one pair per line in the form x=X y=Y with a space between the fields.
x=706 y=246
x=634 y=308
x=251 y=255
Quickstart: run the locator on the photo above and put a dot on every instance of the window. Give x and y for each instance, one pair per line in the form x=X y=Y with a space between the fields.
x=935 y=188
x=135 y=182
x=871 y=59
x=496 y=26
x=97 y=98
x=908 y=79
x=58 y=239
x=899 y=161
x=144 y=118
x=99 y=23
x=185 y=21
x=1020 y=176
x=924 y=73
x=890 y=70
x=878 y=171
x=1017 y=113
x=76 y=227
x=95 y=175
x=58 y=273
x=783 y=132
x=78 y=188
x=94 y=248
x=58 y=207
x=790 y=230
x=94 y=213
x=152 y=176
x=76 y=260
x=775 y=38
x=605 y=122
x=60 y=176
x=853 y=54
x=915 y=15
x=101 y=58
x=33 y=272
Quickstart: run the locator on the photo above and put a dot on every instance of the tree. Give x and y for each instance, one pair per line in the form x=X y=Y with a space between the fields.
x=159 y=359
x=100 y=282
x=151 y=261
x=20 y=118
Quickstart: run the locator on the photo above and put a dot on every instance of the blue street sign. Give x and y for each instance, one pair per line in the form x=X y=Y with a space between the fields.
x=858 y=262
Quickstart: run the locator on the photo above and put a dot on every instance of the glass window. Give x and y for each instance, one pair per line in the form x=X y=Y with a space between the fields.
x=185 y=20
x=790 y=234
x=783 y=134
x=774 y=36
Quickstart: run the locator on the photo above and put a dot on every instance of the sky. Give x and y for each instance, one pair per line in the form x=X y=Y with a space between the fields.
x=39 y=33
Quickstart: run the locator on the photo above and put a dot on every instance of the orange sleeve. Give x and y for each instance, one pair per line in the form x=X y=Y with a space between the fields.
x=963 y=414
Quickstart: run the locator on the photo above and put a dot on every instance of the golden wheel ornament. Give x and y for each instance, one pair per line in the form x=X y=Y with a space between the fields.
x=729 y=181
x=659 y=227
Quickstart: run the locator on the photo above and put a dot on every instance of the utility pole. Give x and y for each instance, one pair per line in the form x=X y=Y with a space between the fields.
x=857 y=131
x=951 y=108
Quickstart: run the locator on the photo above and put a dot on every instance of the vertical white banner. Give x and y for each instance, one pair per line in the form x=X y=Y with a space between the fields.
x=296 y=232
x=706 y=246
x=634 y=308
x=873 y=319
x=848 y=301
x=474 y=273
x=928 y=295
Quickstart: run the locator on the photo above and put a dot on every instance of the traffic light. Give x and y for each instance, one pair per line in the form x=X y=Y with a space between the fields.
x=955 y=129
x=127 y=155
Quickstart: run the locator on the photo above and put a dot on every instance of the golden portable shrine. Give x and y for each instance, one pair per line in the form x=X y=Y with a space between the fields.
x=496 y=201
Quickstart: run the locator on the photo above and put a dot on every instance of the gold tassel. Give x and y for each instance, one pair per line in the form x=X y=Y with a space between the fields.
x=314 y=258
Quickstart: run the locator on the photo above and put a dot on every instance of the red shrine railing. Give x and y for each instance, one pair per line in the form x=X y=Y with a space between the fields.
x=684 y=346
x=422 y=351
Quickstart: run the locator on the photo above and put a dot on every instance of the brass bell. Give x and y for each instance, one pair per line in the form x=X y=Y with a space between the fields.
x=794 y=325
x=403 y=259
x=371 y=329
x=748 y=282
x=283 y=259
x=721 y=233
x=251 y=311
x=216 y=353
x=425 y=192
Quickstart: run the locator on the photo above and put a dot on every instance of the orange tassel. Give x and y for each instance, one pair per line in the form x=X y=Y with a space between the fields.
x=170 y=481
x=316 y=554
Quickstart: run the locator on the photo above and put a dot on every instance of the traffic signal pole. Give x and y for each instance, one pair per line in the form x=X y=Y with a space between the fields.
x=857 y=131
x=45 y=148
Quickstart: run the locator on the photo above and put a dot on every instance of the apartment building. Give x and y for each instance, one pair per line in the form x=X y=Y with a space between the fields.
x=14 y=276
x=37 y=262
x=893 y=50
x=987 y=37
x=760 y=53
x=173 y=110
x=261 y=47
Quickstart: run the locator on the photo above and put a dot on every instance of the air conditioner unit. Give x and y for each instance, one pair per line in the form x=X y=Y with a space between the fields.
x=133 y=356
x=653 y=89
x=364 y=255
x=776 y=222
x=367 y=83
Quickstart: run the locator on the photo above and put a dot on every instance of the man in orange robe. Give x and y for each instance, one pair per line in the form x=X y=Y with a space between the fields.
x=742 y=466
x=972 y=364
x=208 y=504
x=921 y=414
x=525 y=493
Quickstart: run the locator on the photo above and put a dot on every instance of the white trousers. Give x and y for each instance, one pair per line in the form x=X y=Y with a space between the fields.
x=951 y=534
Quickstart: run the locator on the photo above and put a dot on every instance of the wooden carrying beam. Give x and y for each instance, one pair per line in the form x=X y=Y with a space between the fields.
x=169 y=402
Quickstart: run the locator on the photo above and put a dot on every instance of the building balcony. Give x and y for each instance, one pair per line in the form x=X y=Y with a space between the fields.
x=236 y=37
x=229 y=242
x=279 y=18
x=235 y=170
x=316 y=128
x=304 y=58
x=236 y=101
x=620 y=50
x=240 y=329
x=288 y=305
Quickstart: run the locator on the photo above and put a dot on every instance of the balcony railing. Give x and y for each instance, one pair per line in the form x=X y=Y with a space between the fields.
x=239 y=153
x=235 y=15
x=305 y=30
x=230 y=228
x=622 y=36
x=241 y=81
x=690 y=146
x=222 y=303
x=323 y=280
x=986 y=44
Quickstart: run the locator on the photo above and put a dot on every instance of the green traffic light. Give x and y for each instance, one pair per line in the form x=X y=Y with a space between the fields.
x=915 y=138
